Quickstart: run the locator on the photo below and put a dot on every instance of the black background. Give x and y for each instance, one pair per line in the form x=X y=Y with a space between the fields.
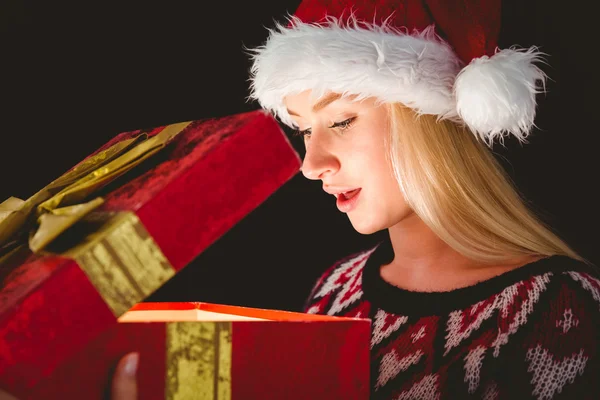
x=74 y=74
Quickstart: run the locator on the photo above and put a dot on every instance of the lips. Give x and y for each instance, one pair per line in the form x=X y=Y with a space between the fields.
x=346 y=201
x=349 y=194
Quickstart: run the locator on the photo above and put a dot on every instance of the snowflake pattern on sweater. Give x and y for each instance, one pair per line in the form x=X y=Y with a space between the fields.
x=530 y=333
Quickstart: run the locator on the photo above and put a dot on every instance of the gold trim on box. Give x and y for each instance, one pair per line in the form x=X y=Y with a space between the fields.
x=62 y=203
x=198 y=361
x=120 y=259
x=117 y=254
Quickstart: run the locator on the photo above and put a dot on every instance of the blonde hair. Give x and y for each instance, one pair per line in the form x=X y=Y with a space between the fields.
x=456 y=186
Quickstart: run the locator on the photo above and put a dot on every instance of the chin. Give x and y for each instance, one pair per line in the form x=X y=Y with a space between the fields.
x=366 y=228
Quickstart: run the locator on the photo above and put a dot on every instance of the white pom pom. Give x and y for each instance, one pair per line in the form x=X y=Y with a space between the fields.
x=496 y=95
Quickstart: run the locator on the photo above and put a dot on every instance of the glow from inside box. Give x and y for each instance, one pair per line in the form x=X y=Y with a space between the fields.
x=181 y=315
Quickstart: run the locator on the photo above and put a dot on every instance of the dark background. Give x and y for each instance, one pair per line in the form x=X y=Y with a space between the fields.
x=74 y=74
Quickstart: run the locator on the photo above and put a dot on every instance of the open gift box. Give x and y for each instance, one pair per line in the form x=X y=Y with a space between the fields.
x=211 y=351
x=80 y=253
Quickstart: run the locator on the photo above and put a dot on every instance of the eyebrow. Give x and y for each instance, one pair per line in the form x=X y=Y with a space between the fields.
x=321 y=104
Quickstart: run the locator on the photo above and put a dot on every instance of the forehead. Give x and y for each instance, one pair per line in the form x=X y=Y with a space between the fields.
x=310 y=102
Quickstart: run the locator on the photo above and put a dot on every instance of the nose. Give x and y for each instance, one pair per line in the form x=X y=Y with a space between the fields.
x=319 y=160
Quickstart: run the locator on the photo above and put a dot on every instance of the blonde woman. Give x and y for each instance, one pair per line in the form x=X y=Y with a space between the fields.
x=399 y=103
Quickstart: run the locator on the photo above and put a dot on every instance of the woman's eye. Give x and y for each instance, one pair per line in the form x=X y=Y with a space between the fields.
x=344 y=124
x=305 y=132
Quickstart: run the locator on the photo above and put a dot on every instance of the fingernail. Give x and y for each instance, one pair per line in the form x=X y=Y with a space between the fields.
x=131 y=364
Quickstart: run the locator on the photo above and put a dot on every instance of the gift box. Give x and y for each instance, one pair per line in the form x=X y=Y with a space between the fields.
x=211 y=351
x=98 y=240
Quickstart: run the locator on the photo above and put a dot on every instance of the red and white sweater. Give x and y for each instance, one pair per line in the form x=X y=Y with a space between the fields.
x=531 y=333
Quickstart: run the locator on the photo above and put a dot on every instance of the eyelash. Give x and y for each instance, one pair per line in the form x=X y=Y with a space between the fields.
x=346 y=124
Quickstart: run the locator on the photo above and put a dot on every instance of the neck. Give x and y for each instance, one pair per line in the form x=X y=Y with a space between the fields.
x=424 y=262
x=417 y=246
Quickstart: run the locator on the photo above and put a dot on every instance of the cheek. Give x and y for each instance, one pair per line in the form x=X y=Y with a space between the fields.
x=385 y=187
x=378 y=166
x=387 y=193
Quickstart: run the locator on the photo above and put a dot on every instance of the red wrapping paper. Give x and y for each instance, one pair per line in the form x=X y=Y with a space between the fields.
x=188 y=195
x=288 y=356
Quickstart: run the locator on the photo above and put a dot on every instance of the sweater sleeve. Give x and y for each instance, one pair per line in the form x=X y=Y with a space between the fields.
x=333 y=279
x=557 y=354
x=310 y=300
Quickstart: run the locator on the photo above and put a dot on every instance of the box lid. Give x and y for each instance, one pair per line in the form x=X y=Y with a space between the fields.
x=132 y=233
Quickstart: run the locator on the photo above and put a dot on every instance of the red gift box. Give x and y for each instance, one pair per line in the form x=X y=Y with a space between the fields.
x=131 y=233
x=210 y=351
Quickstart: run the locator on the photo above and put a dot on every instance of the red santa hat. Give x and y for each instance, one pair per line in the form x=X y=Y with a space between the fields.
x=438 y=57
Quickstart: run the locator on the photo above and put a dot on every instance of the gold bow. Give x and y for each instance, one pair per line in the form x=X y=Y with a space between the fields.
x=58 y=206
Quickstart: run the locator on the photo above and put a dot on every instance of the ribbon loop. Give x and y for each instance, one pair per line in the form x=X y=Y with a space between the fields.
x=66 y=200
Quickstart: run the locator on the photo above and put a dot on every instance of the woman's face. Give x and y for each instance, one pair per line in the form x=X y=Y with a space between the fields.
x=345 y=149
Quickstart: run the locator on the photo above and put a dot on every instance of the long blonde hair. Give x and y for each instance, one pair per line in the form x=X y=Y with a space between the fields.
x=455 y=185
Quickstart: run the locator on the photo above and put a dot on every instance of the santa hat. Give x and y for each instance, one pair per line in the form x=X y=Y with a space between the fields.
x=438 y=57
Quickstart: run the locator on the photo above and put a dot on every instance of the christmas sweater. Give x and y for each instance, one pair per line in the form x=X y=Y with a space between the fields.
x=530 y=333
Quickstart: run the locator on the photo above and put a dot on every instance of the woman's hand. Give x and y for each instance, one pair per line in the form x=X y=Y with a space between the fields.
x=6 y=396
x=123 y=385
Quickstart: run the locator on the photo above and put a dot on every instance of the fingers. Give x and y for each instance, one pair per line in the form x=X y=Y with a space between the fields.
x=124 y=384
x=6 y=396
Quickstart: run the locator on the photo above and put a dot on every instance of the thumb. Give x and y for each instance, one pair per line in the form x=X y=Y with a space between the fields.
x=6 y=396
x=124 y=384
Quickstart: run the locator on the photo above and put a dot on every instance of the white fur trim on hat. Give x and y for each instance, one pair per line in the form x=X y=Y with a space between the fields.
x=368 y=61
x=418 y=69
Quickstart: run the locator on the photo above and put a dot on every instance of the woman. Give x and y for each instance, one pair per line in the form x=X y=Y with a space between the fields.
x=472 y=296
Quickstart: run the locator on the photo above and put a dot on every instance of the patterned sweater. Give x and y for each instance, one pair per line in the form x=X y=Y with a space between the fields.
x=530 y=333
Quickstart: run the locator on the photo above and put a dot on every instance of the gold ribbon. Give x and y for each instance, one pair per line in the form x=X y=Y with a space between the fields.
x=198 y=360
x=59 y=205
x=113 y=249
